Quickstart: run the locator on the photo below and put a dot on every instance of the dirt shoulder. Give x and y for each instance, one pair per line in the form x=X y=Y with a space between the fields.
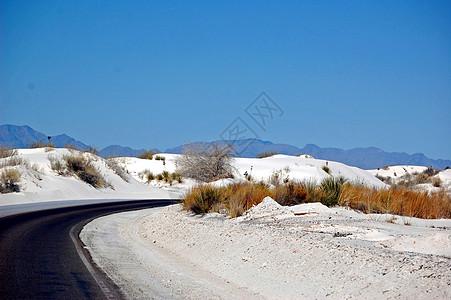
x=273 y=253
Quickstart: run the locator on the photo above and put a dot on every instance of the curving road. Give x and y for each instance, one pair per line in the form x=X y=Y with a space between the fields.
x=41 y=256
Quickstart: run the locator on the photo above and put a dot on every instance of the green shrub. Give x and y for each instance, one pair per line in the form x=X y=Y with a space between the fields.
x=158 y=157
x=150 y=177
x=177 y=177
x=147 y=154
x=9 y=180
x=267 y=154
x=159 y=177
x=326 y=169
x=331 y=187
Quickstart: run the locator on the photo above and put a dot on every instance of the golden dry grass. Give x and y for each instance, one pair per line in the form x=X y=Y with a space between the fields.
x=238 y=198
x=399 y=201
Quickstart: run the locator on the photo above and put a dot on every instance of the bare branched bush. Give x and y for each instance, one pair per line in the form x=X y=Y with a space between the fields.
x=7 y=152
x=9 y=181
x=206 y=162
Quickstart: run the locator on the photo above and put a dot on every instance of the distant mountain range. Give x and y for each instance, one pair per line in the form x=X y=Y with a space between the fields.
x=365 y=158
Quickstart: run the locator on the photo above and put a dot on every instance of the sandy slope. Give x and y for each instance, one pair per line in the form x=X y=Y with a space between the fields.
x=273 y=253
x=40 y=184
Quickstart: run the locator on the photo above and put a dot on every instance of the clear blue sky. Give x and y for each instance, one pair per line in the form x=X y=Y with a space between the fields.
x=162 y=73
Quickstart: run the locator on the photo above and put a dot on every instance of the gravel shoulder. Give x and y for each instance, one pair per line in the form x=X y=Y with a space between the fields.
x=272 y=252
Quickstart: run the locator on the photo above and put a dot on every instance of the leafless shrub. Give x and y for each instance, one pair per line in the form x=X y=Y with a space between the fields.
x=57 y=165
x=206 y=162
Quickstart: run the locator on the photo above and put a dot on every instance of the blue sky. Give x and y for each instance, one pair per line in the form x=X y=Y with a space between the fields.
x=162 y=73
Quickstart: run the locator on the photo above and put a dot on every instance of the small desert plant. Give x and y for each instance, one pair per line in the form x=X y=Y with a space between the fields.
x=291 y=193
x=206 y=162
x=13 y=161
x=92 y=149
x=201 y=199
x=326 y=169
x=385 y=168
x=7 y=152
x=167 y=177
x=159 y=177
x=150 y=177
x=9 y=181
x=147 y=154
x=177 y=177
x=85 y=170
x=57 y=165
x=422 y=178
x=158 y=157
x=41 y=144
x=331 y=187
x=436 y=181
x=430 y=171
x=242 y=196
x=266 y=154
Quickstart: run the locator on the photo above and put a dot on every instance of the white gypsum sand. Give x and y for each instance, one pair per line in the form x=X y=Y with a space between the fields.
x=272 y=253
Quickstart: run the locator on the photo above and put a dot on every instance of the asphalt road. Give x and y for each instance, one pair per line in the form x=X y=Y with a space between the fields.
x=40 y=253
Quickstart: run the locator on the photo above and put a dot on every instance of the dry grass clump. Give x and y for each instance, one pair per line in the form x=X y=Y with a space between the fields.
x=238 y=198
x=235 y=199
x=13 y=161
x=265 y=154
x=291 y=193
x=9 y=181
x=41 y=144
x=201 y=199
x=7 y=152
x=80 y=166
x=399 y=201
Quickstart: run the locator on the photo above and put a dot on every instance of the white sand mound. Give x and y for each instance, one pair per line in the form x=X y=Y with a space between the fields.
x=265 y=208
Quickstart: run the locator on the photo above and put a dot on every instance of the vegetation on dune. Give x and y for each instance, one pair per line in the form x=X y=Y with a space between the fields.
x=7 y=152
x=80 y=166
x=147 y=154
x=237 y=198
x=265 y=154
x=9 y=181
